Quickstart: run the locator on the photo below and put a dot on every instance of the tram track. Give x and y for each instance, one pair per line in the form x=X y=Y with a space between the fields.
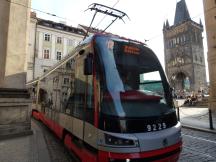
x=195 y=151
x=199 y=138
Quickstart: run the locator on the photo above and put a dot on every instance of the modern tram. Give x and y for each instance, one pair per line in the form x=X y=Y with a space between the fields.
x=109 y=101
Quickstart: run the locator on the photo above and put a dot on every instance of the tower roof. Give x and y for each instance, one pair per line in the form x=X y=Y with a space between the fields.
x=181 y=13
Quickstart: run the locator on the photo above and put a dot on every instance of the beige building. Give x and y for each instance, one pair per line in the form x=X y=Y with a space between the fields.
x=13 y=42
x=210 y=21
x=14 y=98
x=49 y=43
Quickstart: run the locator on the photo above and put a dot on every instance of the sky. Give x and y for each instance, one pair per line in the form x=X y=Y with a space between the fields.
x=146 y=18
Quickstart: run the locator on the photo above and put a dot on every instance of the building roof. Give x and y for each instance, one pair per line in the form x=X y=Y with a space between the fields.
x=181 y=13
x=60 y=26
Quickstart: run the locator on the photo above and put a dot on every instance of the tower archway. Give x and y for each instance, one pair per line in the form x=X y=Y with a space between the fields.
x=180 y=81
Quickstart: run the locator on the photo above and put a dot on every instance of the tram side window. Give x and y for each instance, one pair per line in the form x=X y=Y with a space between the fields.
x=79 y=94
x=151 y=83
x=89 y=104
x=68 y=87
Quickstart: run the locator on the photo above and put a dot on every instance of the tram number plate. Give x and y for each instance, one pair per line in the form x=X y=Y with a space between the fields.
x=155 y=127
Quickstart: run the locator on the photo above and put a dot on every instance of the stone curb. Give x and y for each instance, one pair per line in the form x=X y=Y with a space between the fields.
x=25 y=133
x=199 y=129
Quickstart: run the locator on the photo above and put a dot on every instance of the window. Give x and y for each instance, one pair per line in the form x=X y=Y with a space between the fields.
x=70 y=42
x=195 y=37
x=167 y=44
x=171 y=43
x=66 y=81
x=133 y=88
x=47 y=37
x=89 y=101
x=174 y=41
x=76 y=43
x=151 y=83
x=46 y=24
x=46 y=54
x=184 y=39
x=59 y=40
x=177 y=40
x=80 y=90
x=58 y=55
x=59 y=27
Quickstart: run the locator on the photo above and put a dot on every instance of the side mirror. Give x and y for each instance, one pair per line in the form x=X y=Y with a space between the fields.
x=88 y=65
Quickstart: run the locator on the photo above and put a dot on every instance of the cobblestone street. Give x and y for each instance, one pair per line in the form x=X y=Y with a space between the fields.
x=57 y=151
x=198 y=146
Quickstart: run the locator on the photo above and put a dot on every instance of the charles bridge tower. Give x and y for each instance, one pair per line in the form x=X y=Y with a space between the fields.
x=184 y=54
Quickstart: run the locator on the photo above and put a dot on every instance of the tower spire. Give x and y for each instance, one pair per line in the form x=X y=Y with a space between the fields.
x=181 y=13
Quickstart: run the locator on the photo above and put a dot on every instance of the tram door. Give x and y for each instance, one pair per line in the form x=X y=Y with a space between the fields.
x=90 y=132
x=83 y=111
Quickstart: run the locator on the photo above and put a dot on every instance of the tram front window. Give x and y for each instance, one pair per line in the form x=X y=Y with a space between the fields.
x=133 y=83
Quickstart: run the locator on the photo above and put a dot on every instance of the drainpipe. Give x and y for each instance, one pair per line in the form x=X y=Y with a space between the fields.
x=34 y=50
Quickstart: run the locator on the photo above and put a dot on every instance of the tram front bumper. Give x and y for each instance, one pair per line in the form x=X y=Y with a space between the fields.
x=167 y=154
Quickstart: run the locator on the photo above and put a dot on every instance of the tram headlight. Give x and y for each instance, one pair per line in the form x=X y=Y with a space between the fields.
x=112 y=140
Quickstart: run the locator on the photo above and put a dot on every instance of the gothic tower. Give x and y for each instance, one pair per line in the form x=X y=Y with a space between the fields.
x=184 y=54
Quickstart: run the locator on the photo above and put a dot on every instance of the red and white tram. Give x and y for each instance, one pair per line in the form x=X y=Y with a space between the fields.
x=109 y=101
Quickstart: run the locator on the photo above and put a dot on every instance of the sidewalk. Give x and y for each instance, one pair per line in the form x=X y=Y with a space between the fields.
x=30 y=148
x=197 y=118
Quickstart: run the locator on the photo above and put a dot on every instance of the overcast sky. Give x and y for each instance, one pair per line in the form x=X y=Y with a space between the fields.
x=146 y=17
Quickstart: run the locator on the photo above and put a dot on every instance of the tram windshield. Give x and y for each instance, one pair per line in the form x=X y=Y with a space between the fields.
x=132 y=81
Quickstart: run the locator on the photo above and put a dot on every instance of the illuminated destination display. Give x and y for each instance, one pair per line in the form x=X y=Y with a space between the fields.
x=131 y=50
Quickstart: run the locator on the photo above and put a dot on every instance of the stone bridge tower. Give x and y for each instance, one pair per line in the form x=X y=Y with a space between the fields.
x=183 y=48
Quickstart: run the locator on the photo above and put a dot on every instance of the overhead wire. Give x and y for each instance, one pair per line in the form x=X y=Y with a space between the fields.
x=54 y=15
x=106 y=15
x=44 y=12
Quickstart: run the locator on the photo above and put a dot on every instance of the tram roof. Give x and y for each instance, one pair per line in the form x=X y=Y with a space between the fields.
x=90 y=38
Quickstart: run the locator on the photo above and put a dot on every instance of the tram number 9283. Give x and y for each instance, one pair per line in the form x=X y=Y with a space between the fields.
x=156 y=127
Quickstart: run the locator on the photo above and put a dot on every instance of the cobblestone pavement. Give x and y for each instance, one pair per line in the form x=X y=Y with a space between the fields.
x=57 y=151
x=9 y=152
x=30 y=148
x=198 y=146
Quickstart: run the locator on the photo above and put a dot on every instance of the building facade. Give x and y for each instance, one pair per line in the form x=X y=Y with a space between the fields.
x=49 y=43
x=13 y=43
x=210 y=21
x=184 y=53
x=14 y=98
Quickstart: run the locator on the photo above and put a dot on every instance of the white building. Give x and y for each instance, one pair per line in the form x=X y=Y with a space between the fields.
x=49 y=42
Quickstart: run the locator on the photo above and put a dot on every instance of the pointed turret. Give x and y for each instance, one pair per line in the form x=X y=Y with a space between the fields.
x=181 y=13
x=201 y=24
x=167 y=24
x=164 y=26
